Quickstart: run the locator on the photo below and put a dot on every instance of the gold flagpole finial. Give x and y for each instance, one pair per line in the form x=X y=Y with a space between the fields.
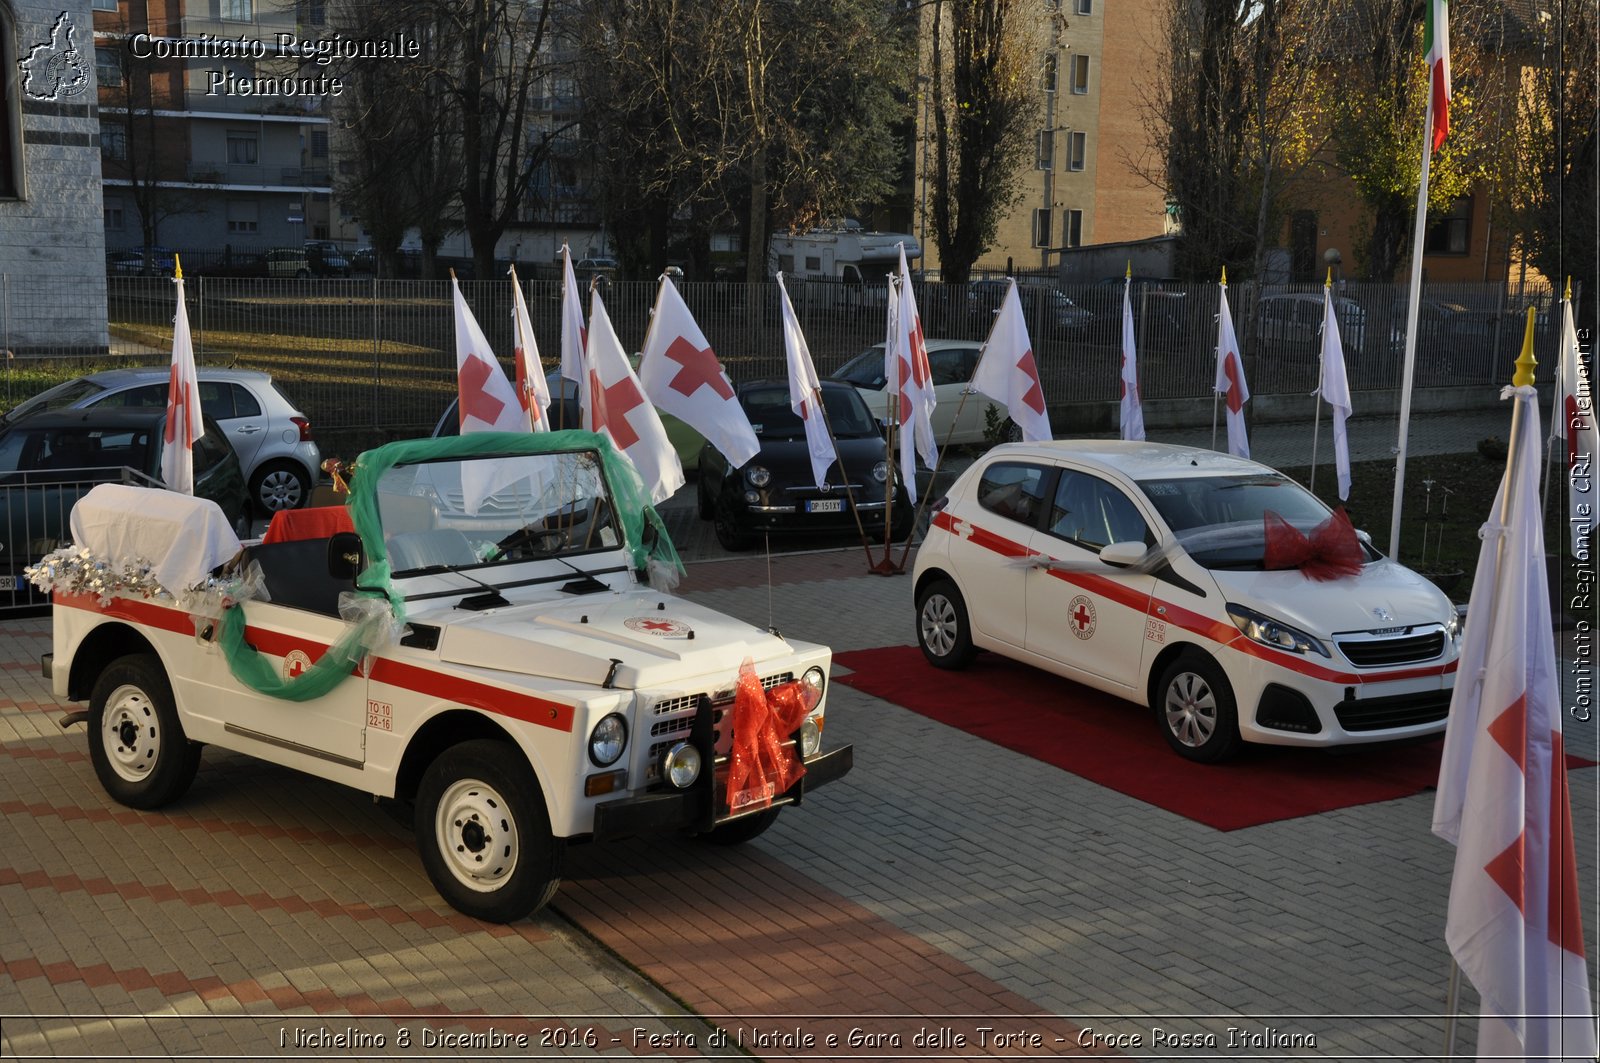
x=1224 y=276
x=452 y=273
x=177 y=267
x=1568 y=296
x=1329 y=282
x=1525 y=360
x=1130 y=269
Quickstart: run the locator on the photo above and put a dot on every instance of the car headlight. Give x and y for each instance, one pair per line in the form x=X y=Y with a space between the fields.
x=607 y=740
x=880 y=472
x=1261 y=628
x=810 y=737
x=758 y=476
x=812 y=684
x=1452 y=626
x=680 y=765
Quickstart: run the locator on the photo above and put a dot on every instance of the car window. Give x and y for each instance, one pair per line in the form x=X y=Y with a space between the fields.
x=58 y=397
x=1093 y=513
x=1013 y=490
x=210 y=450
x=244 y=403
x=949 y=366
x=772 y=417
x=145 y=397
x=216 y=399
x=865 y=370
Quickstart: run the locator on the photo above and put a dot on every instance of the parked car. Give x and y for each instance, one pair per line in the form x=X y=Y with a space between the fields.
x=1143 y=577
x=776 y=491
x=951 y=363
x=327 y=259
x=1043 y=308
x=124 y=262
x=50 y=460
x=565 y=413
x=542 y=693
x=288 y=262
x=1290 y=325
x=272 y=437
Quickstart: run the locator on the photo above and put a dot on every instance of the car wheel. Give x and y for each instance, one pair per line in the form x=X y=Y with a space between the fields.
x=484 y=834
x=742 y=830
x=1011 y=432
x=943 y=631
x=136 y=743
x=279 y=485
x=1195 y=706
x=730 y=533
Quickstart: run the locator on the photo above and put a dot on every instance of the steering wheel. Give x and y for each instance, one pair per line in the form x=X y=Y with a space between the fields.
x=530 y=539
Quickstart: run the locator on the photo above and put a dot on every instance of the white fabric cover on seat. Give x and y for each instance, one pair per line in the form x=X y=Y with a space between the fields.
x=182 y=537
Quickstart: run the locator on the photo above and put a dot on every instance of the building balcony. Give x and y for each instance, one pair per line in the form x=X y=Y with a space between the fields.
x=258 y=175
x=304 y=108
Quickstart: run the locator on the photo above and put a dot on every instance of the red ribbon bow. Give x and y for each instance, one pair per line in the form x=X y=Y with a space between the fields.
x=1331 y=551
x=761 y=765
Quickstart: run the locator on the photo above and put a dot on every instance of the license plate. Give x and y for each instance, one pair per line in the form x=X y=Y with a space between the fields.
x=825 y=505
x=8 y=583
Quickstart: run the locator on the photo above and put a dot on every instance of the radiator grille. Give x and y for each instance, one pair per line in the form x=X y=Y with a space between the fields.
x=1402 y=649
x=674 y=718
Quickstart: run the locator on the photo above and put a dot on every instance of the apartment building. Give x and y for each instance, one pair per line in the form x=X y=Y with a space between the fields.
x=212 y=128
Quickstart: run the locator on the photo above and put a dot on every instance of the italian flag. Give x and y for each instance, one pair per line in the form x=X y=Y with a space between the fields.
x=1438 y=60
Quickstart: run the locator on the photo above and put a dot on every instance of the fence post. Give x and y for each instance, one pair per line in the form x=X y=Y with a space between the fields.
x=200 y=353
x=376 y=348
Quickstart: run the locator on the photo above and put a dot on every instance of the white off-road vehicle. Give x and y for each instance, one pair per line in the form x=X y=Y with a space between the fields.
x=486 y=645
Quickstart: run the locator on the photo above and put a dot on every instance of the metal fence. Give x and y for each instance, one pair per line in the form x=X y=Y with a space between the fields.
x=370 y=360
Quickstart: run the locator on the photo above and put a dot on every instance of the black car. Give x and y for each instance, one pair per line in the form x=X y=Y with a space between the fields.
x=50 y=460
x=776 y=492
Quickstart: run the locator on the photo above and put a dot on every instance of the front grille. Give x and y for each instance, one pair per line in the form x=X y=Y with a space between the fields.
x=674 y=718
x=1401 y=649
x=1399 y=710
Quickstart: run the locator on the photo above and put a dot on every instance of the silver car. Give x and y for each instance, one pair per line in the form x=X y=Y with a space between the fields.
x=269 y=434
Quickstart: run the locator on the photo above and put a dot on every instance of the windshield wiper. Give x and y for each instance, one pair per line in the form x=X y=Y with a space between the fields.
x=490 y=599
x=1253 y=483
x=587 y=583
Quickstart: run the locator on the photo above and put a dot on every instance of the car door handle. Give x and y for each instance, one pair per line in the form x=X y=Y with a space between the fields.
x=248 y=429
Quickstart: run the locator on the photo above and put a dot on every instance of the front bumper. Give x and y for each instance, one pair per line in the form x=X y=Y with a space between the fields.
x=1284 y=707
x=699 y=808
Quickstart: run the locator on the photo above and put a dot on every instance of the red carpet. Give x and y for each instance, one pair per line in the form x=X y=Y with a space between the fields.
x=1118 y=744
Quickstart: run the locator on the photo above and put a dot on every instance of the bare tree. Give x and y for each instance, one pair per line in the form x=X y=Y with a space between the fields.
x=984 y=109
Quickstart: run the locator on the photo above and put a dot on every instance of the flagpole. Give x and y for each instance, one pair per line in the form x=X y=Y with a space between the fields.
x=1322 y=376
x=891 y=300
x=1557 y=416
x=938 y=461
x=1523 y=378
x=1215 y=394
x=822 y=412
x=1419 y=231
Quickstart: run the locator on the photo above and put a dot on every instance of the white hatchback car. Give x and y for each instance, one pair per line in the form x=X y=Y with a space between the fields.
x=1136 y=569
x=952 y=363
x=272 y=438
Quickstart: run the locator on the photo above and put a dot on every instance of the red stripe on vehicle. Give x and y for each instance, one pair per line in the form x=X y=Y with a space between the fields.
x=493 y=699
x=1199 y=624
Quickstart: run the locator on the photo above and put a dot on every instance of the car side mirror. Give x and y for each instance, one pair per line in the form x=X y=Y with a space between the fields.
x=1122 y=555
x=345 y=556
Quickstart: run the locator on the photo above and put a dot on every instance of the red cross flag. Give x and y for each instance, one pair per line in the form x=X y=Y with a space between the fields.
x=681 y=375
x=1230 y=377
x=532 y=392
x=1335 y=387
x=1572 y=423
x=487 y=401
x=574 y=337
x=613 y=403
x=1132 y=407
x=910 y=380
x=184 y=425
x=1515 y=921
x=805 y=391
x=1008 y=373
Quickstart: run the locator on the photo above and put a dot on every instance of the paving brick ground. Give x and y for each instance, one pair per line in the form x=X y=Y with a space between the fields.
x=945 y=885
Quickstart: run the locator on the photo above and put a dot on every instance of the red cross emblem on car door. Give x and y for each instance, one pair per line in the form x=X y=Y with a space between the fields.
x=1080 y=615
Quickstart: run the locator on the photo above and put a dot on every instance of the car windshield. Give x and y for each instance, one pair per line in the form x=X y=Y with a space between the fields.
x=26 y=448
x=1219 y=519
x=494 y=511
x=59 y=397
x=865 y=370
x=773 y=418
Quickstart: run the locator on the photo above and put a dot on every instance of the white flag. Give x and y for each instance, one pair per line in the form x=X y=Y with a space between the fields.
x=487 y=401
x=1230 y=378
x=805 y=391
x=681 y=375
x=1007 y=372
x=184 y=423
x=1572 y=423
x=909 y=380
x=1335 y=389
x=614 y=403
x=1515 y=921
x=532 y=391
x=574 y=338
x=1132 y=405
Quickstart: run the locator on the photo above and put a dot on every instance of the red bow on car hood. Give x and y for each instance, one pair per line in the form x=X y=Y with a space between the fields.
x=1331 y=551
x=762 y=765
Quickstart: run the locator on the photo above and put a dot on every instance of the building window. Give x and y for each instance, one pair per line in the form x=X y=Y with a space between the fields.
x=108 y=67
x=1085 y=7
x=1452 y=233
x=10 y=109
x=1045 y=150
x=113 y=142
x=104 y=5
x=242 y=148
x=237 y=10
x=1077 y=148
x=1041 y=227
x=313 y=12
x=112 y=213
x=319 y=143
x=243 y=216
x=1072 y=229
x=1047 y=78
x=1080 y=74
